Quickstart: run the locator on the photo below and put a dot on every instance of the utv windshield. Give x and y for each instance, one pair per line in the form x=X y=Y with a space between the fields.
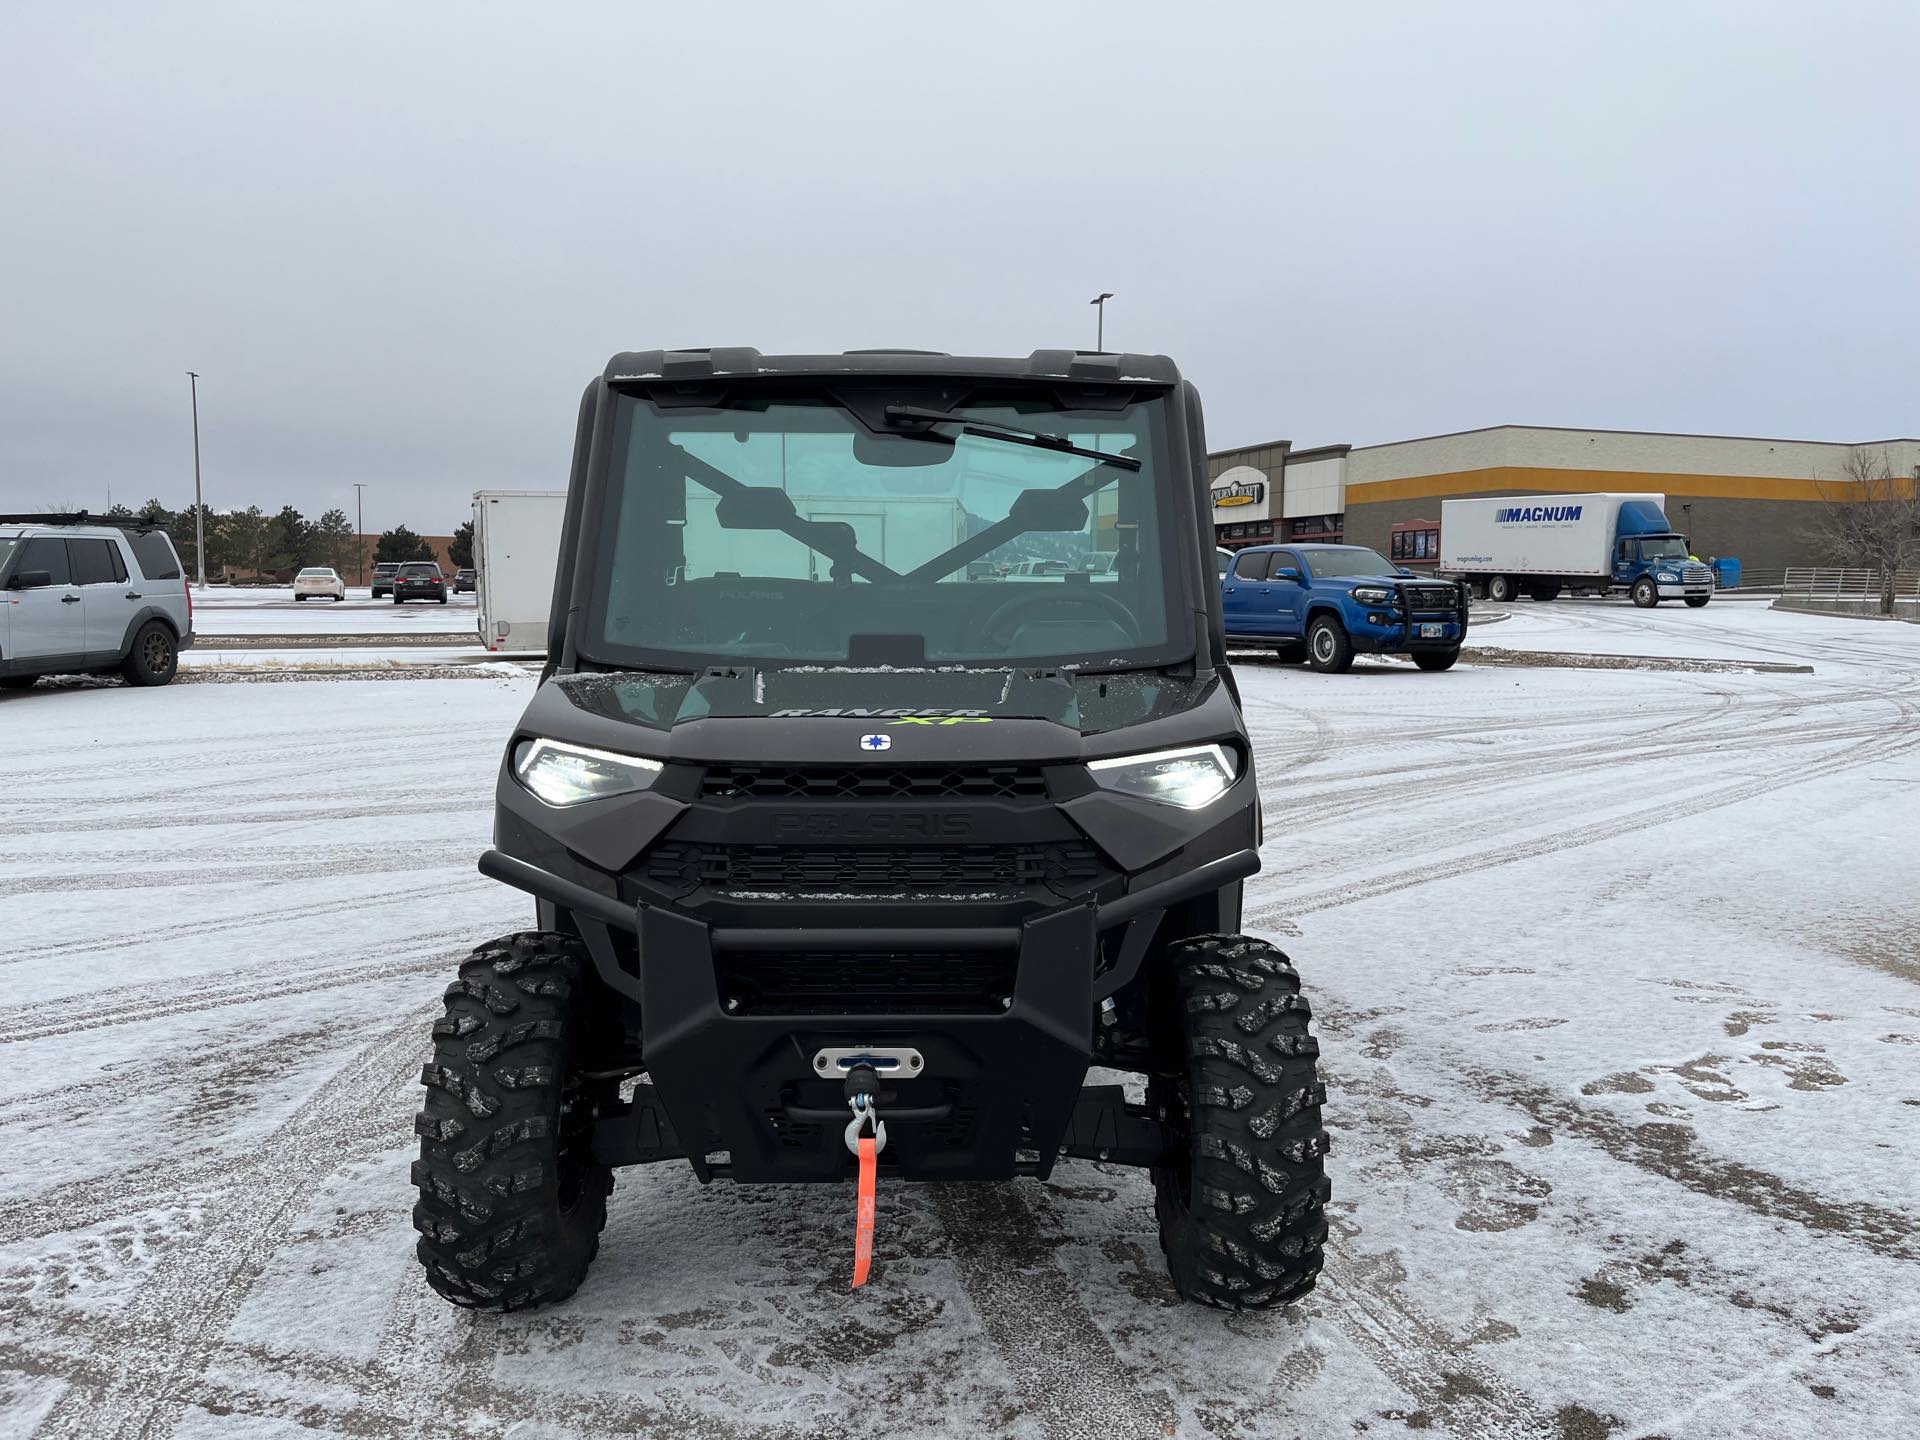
x=792 y=530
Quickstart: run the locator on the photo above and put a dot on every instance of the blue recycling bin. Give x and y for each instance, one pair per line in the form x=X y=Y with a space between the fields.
x=1726 y=573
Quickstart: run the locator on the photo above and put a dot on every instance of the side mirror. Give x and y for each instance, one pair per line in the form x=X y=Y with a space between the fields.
x=31 y=580
x=1287 y=572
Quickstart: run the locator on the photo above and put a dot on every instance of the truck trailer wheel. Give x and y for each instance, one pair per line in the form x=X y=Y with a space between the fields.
x=1645 y=593
x=1696 y=601
x=1242 y=1201
x=1436 y=659
x=511 y=1200
x=1328 y=649
x=1501 y=587
x=1544 y=590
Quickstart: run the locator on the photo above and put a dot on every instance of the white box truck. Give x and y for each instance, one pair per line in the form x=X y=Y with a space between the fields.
x=516 y=550
x=1539 y=545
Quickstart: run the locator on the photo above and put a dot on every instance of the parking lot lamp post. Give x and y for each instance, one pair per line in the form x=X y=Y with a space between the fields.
x=359 y=538
x=199 y=510
x=1099 y=303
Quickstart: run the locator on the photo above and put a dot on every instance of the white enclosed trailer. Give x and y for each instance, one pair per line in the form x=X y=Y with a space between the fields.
x=1540 y=544
x=516 y=551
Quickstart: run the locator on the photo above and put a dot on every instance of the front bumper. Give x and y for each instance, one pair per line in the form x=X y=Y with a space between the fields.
x=1417 y=622
x=1005 y=1061
x=1681 y=592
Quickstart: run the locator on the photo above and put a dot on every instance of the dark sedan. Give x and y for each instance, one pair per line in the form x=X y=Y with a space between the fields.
x=420 y=580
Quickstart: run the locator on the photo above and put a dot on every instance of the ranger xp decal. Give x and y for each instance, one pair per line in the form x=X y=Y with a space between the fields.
x=857 y=714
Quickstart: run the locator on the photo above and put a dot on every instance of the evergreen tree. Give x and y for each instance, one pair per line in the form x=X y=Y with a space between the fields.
x=180 y=529
x=243 y=535
x=401 y=544
x=118 y=511
x=461 y=550
x=154 y=513
x=333 y=542
x=289 y=543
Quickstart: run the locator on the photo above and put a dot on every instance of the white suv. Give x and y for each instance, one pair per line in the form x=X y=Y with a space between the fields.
x=318 y=581
x=81 y=596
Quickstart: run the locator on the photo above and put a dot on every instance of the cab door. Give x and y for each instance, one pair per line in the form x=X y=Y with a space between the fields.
x=100 y=575
x=1246 y=599
x=47 y=621
x=1626 y=561
x=1290 y=594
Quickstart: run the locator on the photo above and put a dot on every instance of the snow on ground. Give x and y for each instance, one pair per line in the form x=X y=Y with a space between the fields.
x=274 y=611
x=1617 y=974
x=1725 y=629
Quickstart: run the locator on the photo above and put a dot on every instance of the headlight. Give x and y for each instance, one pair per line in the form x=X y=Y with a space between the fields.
x=568 y=774
x=1372 y=595
x=1665 y=579
x=1189 y=778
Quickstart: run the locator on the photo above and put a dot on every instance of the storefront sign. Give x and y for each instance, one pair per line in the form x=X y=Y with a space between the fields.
x=1242 y=485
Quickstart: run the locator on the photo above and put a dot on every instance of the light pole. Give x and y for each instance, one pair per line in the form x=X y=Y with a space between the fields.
x=359 y=538
x=199 y=510
x=1099 y=303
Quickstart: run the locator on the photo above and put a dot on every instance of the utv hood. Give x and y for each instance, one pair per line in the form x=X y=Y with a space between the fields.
x=944 y=697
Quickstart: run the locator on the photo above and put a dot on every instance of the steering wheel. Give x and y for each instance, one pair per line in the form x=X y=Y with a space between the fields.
x=1083 y=596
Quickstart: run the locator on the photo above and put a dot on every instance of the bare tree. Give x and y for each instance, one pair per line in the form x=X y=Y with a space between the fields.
x=1871 y=518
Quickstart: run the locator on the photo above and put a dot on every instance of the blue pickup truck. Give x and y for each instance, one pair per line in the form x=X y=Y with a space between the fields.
x=1324 y=604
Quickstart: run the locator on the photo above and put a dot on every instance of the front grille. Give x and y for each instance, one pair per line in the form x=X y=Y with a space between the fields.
x=1697 y=574
x=881 y=869
x=974 y=982
x=1433 y=597
x=876 y=782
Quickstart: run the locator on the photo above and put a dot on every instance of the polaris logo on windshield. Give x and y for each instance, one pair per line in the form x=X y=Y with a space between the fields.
x=1536 y=512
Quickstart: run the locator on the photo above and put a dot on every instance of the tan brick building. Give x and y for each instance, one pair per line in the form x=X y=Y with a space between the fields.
x=1756 y=499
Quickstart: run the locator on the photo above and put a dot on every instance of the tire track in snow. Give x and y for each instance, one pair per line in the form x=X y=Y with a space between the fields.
x=276 y=872
x=1066 y=1372
x=1873 y=747
x=135 y=1004
x=244 y=920
x=191 y=1295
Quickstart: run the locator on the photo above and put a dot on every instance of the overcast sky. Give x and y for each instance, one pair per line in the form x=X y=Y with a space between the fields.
x=397 y=239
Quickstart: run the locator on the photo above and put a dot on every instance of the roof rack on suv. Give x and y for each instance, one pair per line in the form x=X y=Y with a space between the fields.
x=81 y=517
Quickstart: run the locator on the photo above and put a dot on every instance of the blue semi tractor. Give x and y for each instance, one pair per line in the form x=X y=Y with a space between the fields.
x=1539 y=545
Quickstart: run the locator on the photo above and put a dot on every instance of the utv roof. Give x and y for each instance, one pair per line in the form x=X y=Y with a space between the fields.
x=1084 y=366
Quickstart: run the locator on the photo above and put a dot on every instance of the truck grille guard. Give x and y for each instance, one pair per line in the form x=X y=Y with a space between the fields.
x=1403 y=594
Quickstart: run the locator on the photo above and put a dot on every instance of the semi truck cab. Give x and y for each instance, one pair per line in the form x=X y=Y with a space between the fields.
x=1663 y=562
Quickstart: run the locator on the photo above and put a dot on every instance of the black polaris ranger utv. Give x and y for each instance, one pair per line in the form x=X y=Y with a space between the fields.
x=886 y=767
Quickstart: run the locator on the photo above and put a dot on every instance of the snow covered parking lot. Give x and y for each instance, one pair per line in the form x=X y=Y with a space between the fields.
x=1618 y=981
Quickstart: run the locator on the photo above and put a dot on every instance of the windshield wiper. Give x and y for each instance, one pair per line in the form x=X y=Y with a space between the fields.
x=1012 y=434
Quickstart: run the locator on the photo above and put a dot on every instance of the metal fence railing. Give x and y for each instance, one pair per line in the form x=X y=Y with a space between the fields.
x=1837 y=583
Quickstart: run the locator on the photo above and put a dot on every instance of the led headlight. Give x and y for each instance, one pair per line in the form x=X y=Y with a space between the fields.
x=568 y=774
x=1372 y=595
x=1191 y=777
x=1666 y=579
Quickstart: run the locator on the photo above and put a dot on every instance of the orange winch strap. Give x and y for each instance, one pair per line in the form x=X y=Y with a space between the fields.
x=863 y=1215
